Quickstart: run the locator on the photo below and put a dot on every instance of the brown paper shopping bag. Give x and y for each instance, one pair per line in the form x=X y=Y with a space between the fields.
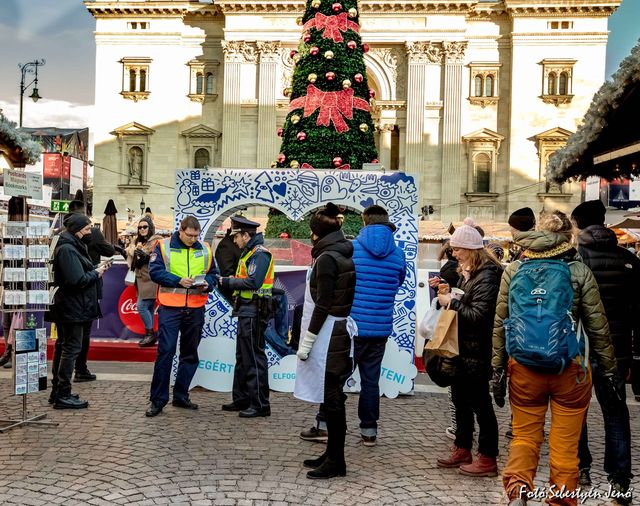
x=445 y=338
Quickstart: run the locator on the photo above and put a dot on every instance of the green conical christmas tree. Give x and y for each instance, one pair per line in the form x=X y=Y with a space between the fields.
x=329 y=122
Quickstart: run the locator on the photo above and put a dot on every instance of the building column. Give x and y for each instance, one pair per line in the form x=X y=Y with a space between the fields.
x=235 y=53
x=267 y=136
x=452 y=131
x=416 y=98
x=384 y=131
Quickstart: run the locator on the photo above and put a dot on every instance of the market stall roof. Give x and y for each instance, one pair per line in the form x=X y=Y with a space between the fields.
x=493 y=231
x=606 y=144
x=16 y=145
x=432 y=230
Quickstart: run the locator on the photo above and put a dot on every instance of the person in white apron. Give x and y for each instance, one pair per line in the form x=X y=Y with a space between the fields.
x=325 y=351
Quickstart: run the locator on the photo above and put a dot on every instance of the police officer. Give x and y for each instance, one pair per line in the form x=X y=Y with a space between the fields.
x=174 y=265
x=252 y=286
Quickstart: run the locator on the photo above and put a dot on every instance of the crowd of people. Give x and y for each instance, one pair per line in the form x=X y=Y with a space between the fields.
x=348 y=317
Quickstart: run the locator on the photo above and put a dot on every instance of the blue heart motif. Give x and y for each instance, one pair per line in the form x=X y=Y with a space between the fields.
x=366 y=203
x=280 y=189
x=409 y=304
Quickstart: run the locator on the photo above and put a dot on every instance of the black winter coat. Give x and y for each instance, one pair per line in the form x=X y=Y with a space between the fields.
x=617 y=272
x=77 y=297
x=227 y=256
x=449 y=273
x=476 y=311
x=333 y=279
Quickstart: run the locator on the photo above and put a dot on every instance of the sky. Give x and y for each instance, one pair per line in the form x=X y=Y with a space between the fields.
x=61 y=32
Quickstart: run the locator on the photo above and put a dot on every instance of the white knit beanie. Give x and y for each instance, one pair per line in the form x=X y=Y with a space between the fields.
x=466 y=236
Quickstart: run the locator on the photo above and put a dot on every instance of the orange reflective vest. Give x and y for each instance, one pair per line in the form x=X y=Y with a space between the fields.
x=184 y=263
x=242 y=273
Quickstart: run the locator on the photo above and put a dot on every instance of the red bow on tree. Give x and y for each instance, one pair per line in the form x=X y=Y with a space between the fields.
x=332 y=25
x=346 y=166
x=333 y=106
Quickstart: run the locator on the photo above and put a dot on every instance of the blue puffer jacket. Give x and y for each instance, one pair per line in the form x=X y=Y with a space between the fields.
x=380 y=270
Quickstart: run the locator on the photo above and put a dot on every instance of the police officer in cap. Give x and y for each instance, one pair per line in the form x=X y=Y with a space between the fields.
x=251 y=287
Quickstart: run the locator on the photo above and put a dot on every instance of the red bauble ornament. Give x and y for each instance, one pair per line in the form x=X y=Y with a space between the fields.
x=372 y=94
x=292 y=53
x=314 y=50
x=280 y=132
x=336 y=7
x=358 y=78
x=330 y=76
x=365 y=48
x=281 y=158
x=337 y=161
x=306 y=37
x=301 y=136
x=352 y=44
x=375 y=160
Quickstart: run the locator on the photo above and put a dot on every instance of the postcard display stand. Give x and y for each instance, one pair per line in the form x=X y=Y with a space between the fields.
x=25 y=291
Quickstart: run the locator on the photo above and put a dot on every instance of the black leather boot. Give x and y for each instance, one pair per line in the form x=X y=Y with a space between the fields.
x=149 y=339
x=315 y=463
x=334 y=464
x=5 y=359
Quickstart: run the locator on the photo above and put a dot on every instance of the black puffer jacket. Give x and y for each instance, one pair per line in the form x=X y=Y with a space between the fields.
x=77 y=297
x=333 y=279
x=476 y=311
x=617 y=272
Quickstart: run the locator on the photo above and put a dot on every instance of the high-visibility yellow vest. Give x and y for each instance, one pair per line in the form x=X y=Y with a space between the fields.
x=184 y=263
x=242 y=273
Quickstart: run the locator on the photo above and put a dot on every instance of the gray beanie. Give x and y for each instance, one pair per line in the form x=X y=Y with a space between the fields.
x=75 y=222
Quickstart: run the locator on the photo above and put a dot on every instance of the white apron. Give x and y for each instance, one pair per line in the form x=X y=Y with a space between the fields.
x=310 y=373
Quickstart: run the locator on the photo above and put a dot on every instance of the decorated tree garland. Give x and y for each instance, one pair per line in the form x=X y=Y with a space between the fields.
x=329 y=122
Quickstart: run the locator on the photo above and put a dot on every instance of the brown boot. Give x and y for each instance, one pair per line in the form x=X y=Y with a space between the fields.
x=458 y=456
x=482 y=466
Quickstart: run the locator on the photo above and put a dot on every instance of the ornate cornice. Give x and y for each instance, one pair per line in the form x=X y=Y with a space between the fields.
x=101 y=8
x=366 y=6
x=573 y=8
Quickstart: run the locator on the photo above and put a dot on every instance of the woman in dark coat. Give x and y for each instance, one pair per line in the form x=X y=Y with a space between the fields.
x=75 y=304
x=480 y=273
x=325 y=364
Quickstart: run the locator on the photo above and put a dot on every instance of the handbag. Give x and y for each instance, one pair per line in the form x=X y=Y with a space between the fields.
x=445 y=336
x=443 y=371
x=130 y=278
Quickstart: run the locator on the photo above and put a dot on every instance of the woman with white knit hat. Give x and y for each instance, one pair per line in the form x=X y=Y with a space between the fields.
x=480 y=280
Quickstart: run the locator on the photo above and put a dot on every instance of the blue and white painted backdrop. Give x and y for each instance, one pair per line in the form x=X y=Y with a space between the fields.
x=211 y=196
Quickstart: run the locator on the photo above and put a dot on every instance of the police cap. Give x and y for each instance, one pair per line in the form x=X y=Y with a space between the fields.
x=242 y=224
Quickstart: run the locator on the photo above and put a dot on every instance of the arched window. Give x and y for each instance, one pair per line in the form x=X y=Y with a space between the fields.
x=209 y=83
x=563 y=84
x=199 y=83
x=551 y=84
x=488 y=87
x=132 y=80
x=143 y=80
x=482 y=173
x=201 y=158
x=477 y=85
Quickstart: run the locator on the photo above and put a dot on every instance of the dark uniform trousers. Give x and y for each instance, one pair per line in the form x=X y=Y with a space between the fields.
x=188 y=322
x=250 y=377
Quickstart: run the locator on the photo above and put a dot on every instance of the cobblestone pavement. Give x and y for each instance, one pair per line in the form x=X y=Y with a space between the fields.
x=112 y=454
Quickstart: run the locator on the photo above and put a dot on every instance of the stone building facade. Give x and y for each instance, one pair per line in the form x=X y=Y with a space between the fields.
x=471 y=96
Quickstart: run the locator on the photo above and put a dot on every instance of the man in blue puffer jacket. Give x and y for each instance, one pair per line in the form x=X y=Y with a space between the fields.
x=380 y=271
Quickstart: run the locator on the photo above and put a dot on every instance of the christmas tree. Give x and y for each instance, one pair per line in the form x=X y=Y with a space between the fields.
x=329 y=122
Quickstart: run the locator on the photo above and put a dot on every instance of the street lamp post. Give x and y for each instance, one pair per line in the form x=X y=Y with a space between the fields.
x=29 y=68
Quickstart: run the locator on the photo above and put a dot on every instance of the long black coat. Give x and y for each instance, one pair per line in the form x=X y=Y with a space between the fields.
x=77 y=297
x=476 y=311
x=617 y=272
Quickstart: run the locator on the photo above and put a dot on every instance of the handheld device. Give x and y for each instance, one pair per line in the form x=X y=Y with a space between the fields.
x=199 y=280
x=107 y=262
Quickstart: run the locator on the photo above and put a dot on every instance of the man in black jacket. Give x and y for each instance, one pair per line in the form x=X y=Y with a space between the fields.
x=97 y=247
x=75 y=304
x=617 y=272
x=227 y=256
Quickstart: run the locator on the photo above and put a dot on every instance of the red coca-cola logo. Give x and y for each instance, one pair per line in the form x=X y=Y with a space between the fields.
x=128 y=311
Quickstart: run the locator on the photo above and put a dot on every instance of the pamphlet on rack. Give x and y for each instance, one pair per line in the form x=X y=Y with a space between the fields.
x=30 y=361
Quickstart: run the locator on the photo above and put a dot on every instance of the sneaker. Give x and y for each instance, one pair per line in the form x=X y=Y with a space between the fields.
x=621 y=495
x=584 y=478
x=509 y=434
x=315 y=434
x=450 y=432
x=5 y=359
x=369 y=440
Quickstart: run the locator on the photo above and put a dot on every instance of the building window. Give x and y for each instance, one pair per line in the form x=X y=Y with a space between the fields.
x=134 y=143
x=557 y=85
x=202 y=80
x=201 y=158
x=135 y=78
x=482 y=173
x=484 y=83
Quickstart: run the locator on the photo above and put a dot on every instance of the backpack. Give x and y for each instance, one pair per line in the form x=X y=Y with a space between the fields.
x=540 y=331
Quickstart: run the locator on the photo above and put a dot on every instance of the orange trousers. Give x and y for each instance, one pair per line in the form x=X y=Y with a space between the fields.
x=530 y=393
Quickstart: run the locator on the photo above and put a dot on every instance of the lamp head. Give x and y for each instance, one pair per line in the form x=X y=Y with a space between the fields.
x=34 y=95
x=142 y=206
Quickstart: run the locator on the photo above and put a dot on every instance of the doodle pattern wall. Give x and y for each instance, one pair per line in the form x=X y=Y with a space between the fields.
x=211 y=196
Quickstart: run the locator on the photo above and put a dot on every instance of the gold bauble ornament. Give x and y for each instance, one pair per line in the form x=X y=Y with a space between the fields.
x=315 y=4
x=295 y=119
x=312 y=78
x=296 y=58
x=274 y=164
x=299 y=21
x=294 y=164
x=328 y=55
x=346 y=84
x=352 y=12
x=364 y=127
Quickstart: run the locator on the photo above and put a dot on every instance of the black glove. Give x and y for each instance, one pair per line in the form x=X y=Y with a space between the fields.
x=499 y=387
x=614 y=388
